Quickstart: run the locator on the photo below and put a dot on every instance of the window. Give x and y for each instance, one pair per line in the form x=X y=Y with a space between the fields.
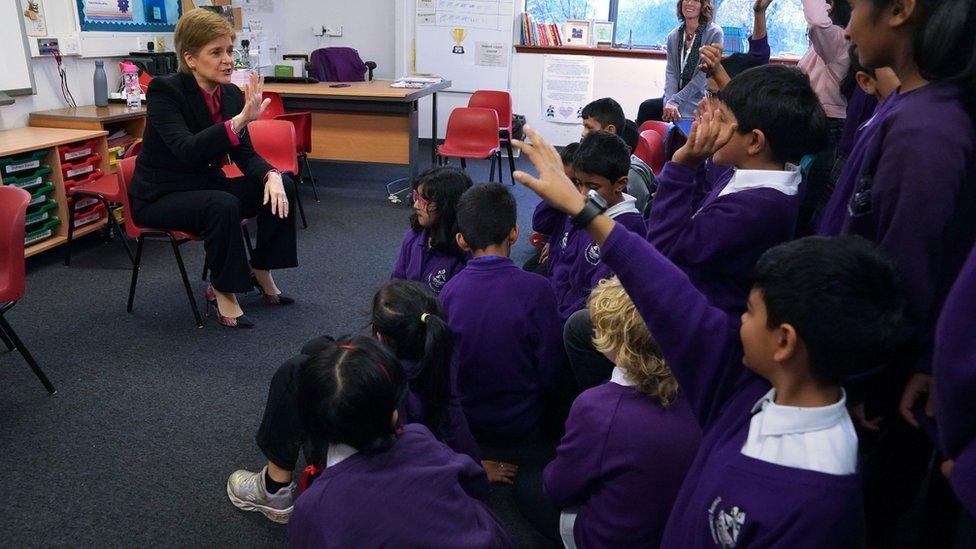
x=646 y=23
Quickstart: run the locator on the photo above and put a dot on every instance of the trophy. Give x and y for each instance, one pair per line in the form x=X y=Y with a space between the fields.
x=458 y=35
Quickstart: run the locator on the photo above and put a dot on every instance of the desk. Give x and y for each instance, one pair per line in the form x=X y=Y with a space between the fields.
x=89 y=117
x=364 y=121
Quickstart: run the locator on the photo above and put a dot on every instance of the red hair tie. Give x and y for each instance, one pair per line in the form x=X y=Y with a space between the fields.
x=350 y=347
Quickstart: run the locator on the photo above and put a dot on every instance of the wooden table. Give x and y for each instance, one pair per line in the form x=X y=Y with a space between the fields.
x=89 y=117
x=363 y=121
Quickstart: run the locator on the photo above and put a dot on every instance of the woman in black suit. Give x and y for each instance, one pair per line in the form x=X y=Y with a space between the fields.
x=196 y=119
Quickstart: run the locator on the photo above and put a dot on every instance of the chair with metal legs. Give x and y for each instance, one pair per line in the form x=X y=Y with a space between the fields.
x=140 y=234
x=13 y=209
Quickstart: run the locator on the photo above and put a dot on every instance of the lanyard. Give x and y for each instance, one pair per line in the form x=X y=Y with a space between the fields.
x=685 y=50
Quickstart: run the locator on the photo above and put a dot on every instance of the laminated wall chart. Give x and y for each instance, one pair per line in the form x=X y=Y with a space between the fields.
x=466 y=41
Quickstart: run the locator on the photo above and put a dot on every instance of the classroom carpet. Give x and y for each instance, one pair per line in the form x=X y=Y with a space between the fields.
x=152 y=414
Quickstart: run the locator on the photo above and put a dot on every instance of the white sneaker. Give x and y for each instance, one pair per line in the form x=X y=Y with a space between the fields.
x=247 y=491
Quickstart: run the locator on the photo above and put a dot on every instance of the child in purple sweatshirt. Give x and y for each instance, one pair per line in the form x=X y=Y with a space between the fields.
x=508 y=344
x=778 y=461
x=601 y=165
x=628 y=442
x=381 y=486
x=429 y=253
x=715 y=223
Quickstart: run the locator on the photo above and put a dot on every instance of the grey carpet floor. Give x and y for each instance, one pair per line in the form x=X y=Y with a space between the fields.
x=152 y=414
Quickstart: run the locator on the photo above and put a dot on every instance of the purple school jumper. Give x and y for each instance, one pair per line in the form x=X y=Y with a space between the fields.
x=419 y=263
x=728 y=499
x=954 y=369
x=508 y=343
x=578 y=269
x=621 y=461
x=716 y=239
x=922 y=203
x=417 y=494
x=552 y=223
x=453 y=430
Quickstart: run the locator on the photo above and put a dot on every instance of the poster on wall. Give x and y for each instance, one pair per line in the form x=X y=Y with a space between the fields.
x=567 y=86
x=34 y=19
x=128 y=15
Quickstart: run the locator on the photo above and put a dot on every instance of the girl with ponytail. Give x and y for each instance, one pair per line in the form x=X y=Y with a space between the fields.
x=348 y=397
x=910 y=186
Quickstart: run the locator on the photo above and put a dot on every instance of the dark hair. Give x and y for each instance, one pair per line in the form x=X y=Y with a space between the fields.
x=347 y=394
x=606 y=111
x=778 y=101
x=409 y=317
x=840 y=13
x=486 y=215
x=841 y=295
x=706 y=12
x=739 y=62
x=849 y=82
x=568 y=153
x=603 y=154
x=443 y=187
x=944 y=45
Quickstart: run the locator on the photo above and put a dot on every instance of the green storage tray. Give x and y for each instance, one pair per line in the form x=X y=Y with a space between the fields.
x=14 y=164
x=29 y=182
x=41 y=232
x=41 y=212
x=41 y=194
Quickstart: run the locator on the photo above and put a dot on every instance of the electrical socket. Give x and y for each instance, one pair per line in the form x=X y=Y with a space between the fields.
x=333 y=31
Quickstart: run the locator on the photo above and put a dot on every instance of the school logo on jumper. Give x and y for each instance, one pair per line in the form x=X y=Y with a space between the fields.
x=437 y=281
x=593 y=254
x=725 y=524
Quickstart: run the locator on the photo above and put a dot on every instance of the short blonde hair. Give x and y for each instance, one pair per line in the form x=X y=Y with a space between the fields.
x=621 y=330
x=196 y=29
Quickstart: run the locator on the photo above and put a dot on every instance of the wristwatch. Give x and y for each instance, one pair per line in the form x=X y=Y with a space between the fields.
x=595 y=205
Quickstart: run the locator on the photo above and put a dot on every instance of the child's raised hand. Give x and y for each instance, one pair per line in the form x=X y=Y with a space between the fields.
x=708 y=134
x=498 y=472
x=711 y=58
x=552 y=184
x=761 y=5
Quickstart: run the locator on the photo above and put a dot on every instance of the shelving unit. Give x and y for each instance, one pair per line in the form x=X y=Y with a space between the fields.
x=114 y=117
x=22 y=142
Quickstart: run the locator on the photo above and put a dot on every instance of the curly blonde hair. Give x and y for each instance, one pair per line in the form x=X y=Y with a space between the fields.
x=621 y=330
x=705 y=17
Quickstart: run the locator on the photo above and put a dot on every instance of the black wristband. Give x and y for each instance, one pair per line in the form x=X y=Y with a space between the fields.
x=592 y=208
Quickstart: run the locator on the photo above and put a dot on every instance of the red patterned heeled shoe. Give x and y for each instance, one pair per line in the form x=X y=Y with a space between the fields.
x=280 y=299
x=241 y=322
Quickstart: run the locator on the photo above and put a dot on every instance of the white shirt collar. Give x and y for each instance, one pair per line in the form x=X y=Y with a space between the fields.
x=337 y=453
x=785 y=181
x=627 y=205
x=620 y=377
x=786 y=420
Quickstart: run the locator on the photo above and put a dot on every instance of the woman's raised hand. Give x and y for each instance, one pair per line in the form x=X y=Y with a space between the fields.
x=551 y=185
x=254 y=102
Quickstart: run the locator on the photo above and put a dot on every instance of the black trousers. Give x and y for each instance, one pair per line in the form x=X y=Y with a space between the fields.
x=282 y=432
x=216 y=214
x=651 y=109
x=590 y=368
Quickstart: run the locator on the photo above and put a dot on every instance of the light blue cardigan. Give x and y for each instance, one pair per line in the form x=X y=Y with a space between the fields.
x=687 y=98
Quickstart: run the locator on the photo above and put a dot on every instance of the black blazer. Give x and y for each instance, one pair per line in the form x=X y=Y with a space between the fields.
x=182 y=148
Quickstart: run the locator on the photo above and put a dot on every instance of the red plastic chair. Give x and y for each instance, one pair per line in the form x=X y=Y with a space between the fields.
x=651 y=146
x=501 y=103
x=472 y=133
x=303 y=132
x=105 y=189
x=274 y=140
x=13 y=209
x=176 y=239
x=661 y=128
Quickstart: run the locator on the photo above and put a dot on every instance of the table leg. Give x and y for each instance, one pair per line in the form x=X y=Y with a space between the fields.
x=433 y=129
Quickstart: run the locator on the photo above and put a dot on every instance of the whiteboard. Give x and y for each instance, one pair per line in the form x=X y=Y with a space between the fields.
x=16 y=76
x=468 y=42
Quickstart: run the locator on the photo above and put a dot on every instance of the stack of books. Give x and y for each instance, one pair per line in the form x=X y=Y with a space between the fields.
x=539 y=34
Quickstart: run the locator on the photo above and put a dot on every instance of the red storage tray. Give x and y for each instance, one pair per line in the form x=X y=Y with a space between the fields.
x=89 y=215
x=75 y=170
x=92 y=176
x=77 y=151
